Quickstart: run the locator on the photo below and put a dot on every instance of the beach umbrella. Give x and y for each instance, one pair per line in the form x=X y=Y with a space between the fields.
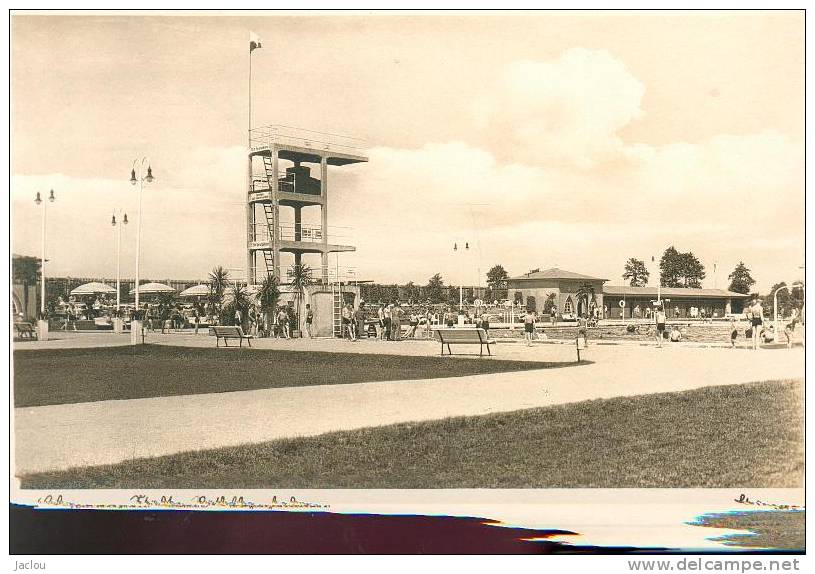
x=93 y=288
x=195 y=291
x=152 y=288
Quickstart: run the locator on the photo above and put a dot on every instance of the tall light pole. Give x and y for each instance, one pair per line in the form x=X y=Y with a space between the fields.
x=118 y=253
x=466 y=249
x=38 y=200
x=142 y=177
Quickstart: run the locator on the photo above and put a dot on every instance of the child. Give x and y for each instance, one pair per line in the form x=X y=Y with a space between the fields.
x=529 y=327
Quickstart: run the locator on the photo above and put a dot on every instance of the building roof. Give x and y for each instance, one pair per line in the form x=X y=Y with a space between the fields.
x=555 y=273
x=627 y=291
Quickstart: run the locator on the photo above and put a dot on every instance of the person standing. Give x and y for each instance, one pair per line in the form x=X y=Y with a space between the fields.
x=283 y=323
x=380 y=323
x=529 y=327
x=386 y=321
x=659 y=319
x=347 y=328
x=757 y=314
x=734 y=333
x=196 y=314
x=396 y=318
x=553 y=315
x=414 y=324
x=485 y=324
x=309 y=320
x=359 y=323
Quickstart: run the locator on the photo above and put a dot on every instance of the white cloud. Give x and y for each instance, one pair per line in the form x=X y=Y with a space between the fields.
x=576 y=195
x=569 y=109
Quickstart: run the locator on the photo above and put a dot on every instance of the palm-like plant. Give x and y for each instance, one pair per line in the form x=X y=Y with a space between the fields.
x=239 y=302
x=218 y=283
x=300 y=279
x=586 y=294
x=267 y=295
x=549 y=303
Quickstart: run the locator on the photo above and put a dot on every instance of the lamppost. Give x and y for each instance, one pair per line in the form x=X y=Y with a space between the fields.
x=461 y=286
x=135 y=329
x=38 y=200
x=118 y=253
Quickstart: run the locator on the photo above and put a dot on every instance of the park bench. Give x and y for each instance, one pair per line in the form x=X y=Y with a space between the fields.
x=464 y=336
x=227 y=332
x=25 y=330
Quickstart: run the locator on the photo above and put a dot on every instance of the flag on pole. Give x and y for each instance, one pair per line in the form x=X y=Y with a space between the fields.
x=254 y=41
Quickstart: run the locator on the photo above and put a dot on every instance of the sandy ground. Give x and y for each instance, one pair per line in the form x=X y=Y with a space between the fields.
x=64 y=436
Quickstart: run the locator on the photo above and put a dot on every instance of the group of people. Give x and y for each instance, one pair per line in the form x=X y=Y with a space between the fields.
x=759 y=332
x=280 y=324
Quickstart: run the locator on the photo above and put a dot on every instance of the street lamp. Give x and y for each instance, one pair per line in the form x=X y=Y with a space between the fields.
x=118 y=253
x=38 y=200
x=465 y=249
x=142 y=177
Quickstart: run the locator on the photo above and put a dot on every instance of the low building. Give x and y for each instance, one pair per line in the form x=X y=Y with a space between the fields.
x=563 y=288
x=623 y=301
x=566 y=290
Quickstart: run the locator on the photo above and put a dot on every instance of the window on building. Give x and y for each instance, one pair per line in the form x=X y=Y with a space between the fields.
x=567 y=306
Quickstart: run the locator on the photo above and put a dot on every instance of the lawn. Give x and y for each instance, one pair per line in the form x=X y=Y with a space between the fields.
x=63 y=376
x=728 y=436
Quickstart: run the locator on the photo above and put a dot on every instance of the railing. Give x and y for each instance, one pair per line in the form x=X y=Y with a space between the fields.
x=260 y=183
x=342 y=274
x=265 y=136
x=288 y=232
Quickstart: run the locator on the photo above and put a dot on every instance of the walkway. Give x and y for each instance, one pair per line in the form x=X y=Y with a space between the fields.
x=106 y=432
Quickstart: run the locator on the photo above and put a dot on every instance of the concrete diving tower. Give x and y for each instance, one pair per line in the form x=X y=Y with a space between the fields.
x=278 y=181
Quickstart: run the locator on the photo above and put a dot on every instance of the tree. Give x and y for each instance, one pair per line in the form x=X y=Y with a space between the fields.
x=25 y=270
x=238 y=301
x=680 y=269
x=218 y=282
x=788 y=299
x=636 y=273
x=411 y=291
x=740 y=279
x=549 y=303
x=497 y=282
x=669 y=268
x=692 y=270
x=586 y=294
x=300 y=279
x=268 y=295
x=436 y=290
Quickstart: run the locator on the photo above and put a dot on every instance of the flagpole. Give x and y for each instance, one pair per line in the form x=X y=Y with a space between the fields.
x=249 y=133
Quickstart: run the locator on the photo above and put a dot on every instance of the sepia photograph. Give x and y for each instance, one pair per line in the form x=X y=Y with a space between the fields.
x=410 y=282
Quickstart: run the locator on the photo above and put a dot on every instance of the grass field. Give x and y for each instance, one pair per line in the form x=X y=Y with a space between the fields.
x=82 y=375
x=728 y=436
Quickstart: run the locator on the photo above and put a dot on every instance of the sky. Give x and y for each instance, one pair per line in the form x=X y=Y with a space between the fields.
x=568 y=139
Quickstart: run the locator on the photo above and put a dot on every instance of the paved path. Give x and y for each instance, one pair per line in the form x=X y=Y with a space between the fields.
x=63 y=436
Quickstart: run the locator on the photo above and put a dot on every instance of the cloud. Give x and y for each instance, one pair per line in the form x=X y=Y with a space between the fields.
x=572 y=194
x=569 y=109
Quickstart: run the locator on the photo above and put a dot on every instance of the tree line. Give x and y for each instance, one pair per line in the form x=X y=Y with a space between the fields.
x=677 y=269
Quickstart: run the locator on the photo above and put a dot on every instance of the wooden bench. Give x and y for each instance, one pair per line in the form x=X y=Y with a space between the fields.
x=25 y=330
x=227 y=332
x=464 y=336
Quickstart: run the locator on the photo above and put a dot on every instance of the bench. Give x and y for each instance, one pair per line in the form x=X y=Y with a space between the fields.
x=25 y=330
x=227 y=332
x=464 y=336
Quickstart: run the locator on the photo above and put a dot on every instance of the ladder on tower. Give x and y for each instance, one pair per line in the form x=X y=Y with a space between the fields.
x=336 y=292
x=268 y=209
